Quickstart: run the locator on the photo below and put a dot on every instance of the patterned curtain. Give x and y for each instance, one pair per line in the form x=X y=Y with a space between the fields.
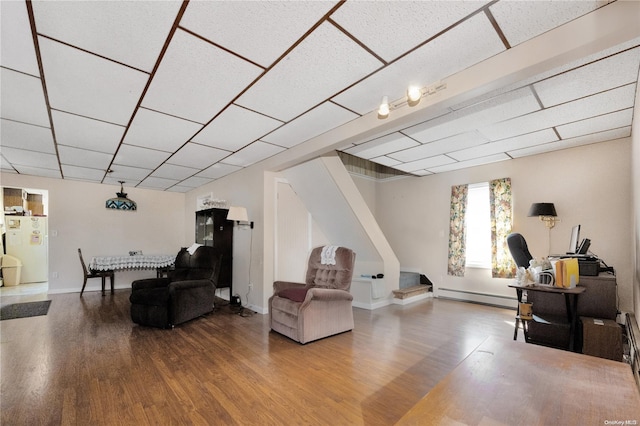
x=456 y=264
x=502 y=265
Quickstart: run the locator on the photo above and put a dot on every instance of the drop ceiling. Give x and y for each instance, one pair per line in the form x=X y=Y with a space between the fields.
x=173 y=95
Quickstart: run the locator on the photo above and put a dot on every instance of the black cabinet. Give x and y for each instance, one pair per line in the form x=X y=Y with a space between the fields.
x=214 y=230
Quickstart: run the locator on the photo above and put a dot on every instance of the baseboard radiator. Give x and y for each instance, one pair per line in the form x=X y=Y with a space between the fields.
x=633 y=336
x=472 y=297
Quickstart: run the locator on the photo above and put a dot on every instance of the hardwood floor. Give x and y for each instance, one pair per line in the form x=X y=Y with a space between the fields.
x=87 y=363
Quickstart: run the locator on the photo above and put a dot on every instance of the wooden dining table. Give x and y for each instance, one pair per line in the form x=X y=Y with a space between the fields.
x=504 y=382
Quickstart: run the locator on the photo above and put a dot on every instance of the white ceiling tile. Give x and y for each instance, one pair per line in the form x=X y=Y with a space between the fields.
x=442 y=146
x=135 y=156
x=5 y=165
x=23 y=98
x=590 y=79
x=26 y=136
x=381 y=146
x=82 y=173
x=153 y=182
x=16 y=44
x=127 y=173
x=195 y=182
x=531 y=139
x=472 y=41
x=253 y=153
x=89 y=85
x=410 y=22
x=171 y=171
x=154 y=130
x=580 y=109
x=500 y=108
x=38 y=171
x=196 y=80
x=623 y=132
x=260 y=31
x=22 y=157
x=326 y=62
x=197 y=156
x=218 y=170
x=523 y=20
x=470 y=163
x=596 y=124
x=82 y=132
x=179 y=188
x=84 y=158
x=425 y=163
x=422 y=172
x=130 y=32
x=225 y=133
x=315 y=122
x=385 y=161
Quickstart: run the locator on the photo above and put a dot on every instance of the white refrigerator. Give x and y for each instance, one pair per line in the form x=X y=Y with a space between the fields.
x=26 y=239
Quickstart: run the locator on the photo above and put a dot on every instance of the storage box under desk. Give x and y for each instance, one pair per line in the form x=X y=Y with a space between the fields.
x=601 y=338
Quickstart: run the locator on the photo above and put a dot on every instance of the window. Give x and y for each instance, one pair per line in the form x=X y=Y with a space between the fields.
x=478 y=222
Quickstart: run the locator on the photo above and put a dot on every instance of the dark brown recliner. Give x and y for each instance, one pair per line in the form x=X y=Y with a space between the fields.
x=321 y=306
x=187 y=293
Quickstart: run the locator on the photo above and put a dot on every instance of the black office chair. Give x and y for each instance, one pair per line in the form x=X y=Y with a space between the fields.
x=519 y=250
x=92 y=273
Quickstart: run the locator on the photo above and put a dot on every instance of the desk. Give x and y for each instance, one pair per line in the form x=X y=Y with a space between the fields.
x=504 y=382
x=571 y=304
x=122 y=263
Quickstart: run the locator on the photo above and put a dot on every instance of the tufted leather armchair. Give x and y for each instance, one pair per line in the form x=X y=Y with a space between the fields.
x=321 y=306
x=187 y=293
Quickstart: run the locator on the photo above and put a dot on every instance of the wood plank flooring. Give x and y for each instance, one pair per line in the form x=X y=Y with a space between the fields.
x=87 y=363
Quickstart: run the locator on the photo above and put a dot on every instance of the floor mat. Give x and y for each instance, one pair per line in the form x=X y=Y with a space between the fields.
x=24 y=310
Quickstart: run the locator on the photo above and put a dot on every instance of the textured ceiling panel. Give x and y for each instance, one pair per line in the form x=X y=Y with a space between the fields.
x=88 y=85
x=128 y=174
x=22 y=157
x=472 y=41
x=151 y=129
x=509 y=105
x=195 y=181
x=196 y=80
x=410 y=22
x=260 y=31
x=130 y=32
x=253 y=153
x=523 y=20
x=320 y=119
x=129 y=155
x=26 y=136
x=218 y=170
x=590 y=79
x=225 y=133
x=424 y=163
x=171 y=171
x=470 y=163
x=524 y=141
x=442 y=146
x=82 y=173
x=157 y=183
x=81 y=132
x=326 y=62
x=580 y=109
x=22 y=98
x=197 y=156
x=608 y=135
x=38 y=171
x=84 y=158
x=385 y=161
x=596 y=124
x=381 y=146
x=16 y=44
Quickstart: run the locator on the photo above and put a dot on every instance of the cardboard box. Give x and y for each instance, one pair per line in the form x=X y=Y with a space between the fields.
x=601 y=338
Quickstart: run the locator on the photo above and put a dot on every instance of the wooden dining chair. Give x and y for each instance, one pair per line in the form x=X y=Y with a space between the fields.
x=92 y=273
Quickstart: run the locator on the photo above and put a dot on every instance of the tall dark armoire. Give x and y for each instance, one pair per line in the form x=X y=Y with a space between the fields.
x=214 y=230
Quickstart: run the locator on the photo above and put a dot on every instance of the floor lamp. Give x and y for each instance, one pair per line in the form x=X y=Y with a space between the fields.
x=546 y=212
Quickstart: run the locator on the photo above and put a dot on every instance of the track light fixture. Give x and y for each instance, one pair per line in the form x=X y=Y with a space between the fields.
x=383 y=109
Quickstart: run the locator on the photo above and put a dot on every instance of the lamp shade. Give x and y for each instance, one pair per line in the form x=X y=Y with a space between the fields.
x=239 y=214
x=542 y=209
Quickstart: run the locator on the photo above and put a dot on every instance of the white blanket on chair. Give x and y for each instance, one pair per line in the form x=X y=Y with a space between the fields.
x=328 y=256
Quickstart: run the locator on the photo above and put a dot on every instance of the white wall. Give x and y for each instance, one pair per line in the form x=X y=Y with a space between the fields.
x=635 y=167
x=589 y=185
x=78 y=215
